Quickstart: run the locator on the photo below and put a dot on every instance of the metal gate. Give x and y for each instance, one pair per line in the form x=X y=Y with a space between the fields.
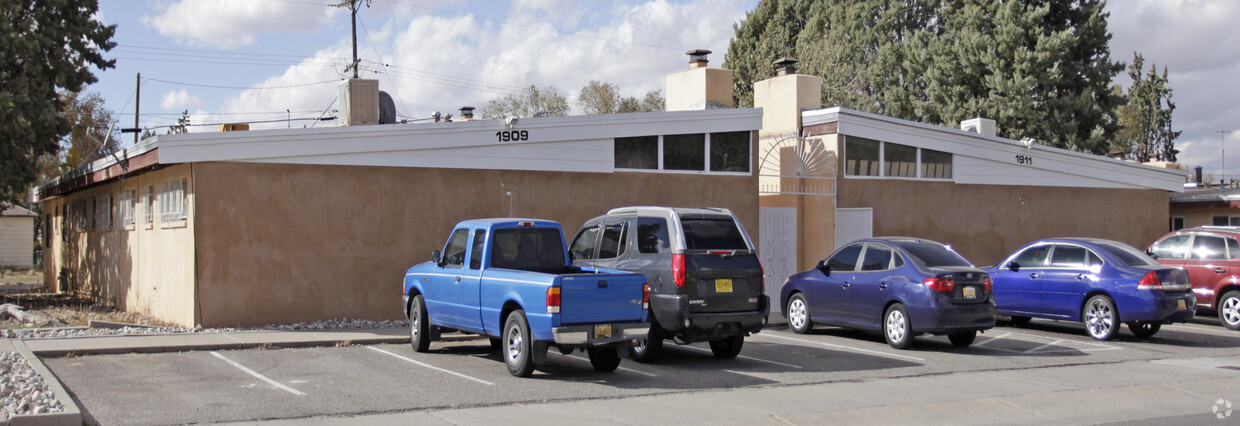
x=777 y=248
x=853 y=224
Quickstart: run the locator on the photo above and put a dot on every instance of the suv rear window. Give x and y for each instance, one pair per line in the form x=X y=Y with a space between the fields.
x=712 y=234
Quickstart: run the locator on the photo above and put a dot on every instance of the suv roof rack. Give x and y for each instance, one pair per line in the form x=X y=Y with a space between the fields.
x=1218 y=228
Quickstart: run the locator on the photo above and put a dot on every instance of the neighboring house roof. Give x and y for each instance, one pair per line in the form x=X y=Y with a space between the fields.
x=1222 y=196
x=16 y=211
x=992 y=160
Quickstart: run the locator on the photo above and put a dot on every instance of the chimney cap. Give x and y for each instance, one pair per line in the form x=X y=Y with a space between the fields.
x=785 y=65
x=697 y=56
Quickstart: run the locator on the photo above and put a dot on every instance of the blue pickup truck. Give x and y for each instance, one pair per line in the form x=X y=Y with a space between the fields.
x=511 y=280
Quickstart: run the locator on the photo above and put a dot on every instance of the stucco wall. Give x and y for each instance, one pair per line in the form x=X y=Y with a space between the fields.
x=283 y=243
x=1202 y=214
x=16 y=241
x=141 y=268
x=987 y=222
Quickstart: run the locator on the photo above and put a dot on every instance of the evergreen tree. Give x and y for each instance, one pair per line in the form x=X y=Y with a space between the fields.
x=45 y=45
x=1145 y=120
x=182 y=125
x=770 y=31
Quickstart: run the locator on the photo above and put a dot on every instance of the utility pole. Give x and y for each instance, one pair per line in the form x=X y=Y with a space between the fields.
x=353 y=5
x=137 y=107
x=1223 y=150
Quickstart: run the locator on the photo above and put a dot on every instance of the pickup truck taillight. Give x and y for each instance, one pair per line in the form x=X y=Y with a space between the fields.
x=678 y=269
x=553 y=300
x=646 y=297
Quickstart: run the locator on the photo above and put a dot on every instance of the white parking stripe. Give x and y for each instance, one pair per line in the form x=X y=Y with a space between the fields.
x=581 y=357
x=741 y=356
x=991 y=340
x=431 y=366
x=1052 y=343
x=1212 y=330
x=847 y=348
x=259 y=376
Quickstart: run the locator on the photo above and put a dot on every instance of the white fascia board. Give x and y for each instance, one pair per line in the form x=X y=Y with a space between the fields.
x=349 y=143
x=1082 y=170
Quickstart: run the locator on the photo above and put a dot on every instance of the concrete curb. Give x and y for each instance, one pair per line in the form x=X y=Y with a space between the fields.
x=72 y=415
x=219 y=346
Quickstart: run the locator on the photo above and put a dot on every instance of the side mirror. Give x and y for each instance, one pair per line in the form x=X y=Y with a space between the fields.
x=1150 y=253
x=824 y=268
x=1015 y=267
x=437 y=257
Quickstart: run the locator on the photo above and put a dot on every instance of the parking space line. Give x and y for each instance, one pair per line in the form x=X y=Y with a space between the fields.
x=1212 y=330
x=742 y=357
x=431 y=366
x=259 y=376
x=847 y=348
x=581 y=357
x=991 y=339
x=1052 y=343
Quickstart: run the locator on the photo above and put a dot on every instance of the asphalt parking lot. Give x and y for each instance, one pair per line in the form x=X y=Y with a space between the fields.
x=262 y=384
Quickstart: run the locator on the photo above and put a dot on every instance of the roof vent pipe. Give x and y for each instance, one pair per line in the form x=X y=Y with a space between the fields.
x=697 y=58
x=785 y=66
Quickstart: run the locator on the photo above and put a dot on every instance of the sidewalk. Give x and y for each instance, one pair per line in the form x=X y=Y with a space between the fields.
x=98 y=345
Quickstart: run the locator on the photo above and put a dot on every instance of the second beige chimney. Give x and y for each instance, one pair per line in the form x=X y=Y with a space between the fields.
x=699 y=87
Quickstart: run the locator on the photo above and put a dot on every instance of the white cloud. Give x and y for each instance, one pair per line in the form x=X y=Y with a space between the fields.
x=180 y=100
x=232 y=23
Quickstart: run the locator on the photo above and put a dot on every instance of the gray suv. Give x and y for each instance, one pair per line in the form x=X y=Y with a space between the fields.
x=705 y=279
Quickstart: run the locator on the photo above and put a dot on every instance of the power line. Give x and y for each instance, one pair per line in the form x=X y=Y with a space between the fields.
x=242 y=87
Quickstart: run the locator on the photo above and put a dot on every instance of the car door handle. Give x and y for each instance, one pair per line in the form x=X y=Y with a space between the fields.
x=458 y=279
x=1080 y=277
x=1033 y=276
x=1220 y=271
x=845 y=285
x=882 y=286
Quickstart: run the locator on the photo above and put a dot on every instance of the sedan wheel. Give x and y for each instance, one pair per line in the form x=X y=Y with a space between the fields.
x=896 y=327
x=1100 y=317
x=798 y=315
x=1229 y=310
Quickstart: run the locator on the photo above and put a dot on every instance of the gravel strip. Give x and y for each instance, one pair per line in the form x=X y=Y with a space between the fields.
x=22 y=391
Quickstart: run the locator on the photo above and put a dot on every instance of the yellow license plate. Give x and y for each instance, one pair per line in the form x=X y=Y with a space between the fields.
x=602 y=331
x=723 y=285
x=970 y=292
x=1180 y=305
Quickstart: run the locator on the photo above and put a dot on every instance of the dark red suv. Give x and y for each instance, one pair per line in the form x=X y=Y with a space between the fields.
x=1211 y=255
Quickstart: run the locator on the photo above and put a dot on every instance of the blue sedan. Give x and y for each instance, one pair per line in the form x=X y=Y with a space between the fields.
x=899 y=286
x=1102 y=283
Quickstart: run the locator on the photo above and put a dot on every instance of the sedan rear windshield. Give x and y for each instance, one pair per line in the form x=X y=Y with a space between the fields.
x=712 y=234
x=1129 y=255
x=934 y=255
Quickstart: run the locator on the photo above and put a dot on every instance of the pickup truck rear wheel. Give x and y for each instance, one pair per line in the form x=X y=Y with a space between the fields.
x=604 y=360
x=518 y=345
x=728 y=347
x=419 y=325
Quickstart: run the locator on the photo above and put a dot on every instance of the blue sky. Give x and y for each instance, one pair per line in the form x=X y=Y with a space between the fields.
x=254 y=60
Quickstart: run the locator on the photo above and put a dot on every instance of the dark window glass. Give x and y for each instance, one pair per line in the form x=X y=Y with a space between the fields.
x=641 y=152
x=1094 y=260
x=1233 y=248
x=936 y=164
x=1033 y=257
x=1177 y=223
x=583 y=246
x=729 y=152
x=530 y=249
x=1219 y=221
x=712 y=234
x=454 y=253
x=899 y=160
x=1068 y=257
x=877 y=258
x=684 y=152
x=934 y=255
x=861 y=156
x=652 y=235
x=475 y=254
x=612 y=243
x=1128 y=255
x=846 y=259
x=1173 y=247
x=1209 y=248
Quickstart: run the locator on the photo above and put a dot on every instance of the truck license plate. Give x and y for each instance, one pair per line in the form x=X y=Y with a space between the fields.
x=970 y=292
x=723 y=285
x=602 y=331
x=1180 y=305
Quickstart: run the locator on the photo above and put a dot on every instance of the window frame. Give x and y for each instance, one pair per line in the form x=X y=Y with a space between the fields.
x=706 y=166
x=919 y=166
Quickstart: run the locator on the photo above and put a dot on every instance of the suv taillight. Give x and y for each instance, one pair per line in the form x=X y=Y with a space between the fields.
x=939 y=284
x=762 y=278
x=1150 y=282
x=678 y=269
x=553 y=300
x=646 y=297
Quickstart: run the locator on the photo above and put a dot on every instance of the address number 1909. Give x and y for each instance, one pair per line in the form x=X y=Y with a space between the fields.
x=512 y=135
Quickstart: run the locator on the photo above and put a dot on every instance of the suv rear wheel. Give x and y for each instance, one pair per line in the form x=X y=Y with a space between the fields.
x=649 y=349
x=1229 y=310
x=728 y=347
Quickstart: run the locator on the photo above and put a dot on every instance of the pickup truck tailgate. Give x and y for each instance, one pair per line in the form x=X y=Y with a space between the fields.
x=588 y=298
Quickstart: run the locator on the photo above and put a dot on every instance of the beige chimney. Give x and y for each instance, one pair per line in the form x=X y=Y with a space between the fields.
x=699 y=87
x=783 y=97
x=359 y=102
x=467 y=114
